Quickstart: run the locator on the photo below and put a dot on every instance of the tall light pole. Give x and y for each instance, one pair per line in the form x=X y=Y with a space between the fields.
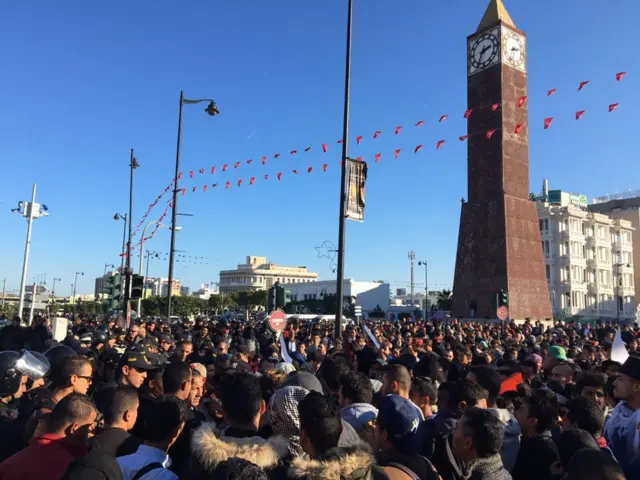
x=29 y=210
x=133 y=164
x=4 y=286
x=412 y=258
x=75 y=283
x=426 y=286
x=116 y=217
x=618 y=264
x=343 y=179
x=212 y=110
x=53 y=289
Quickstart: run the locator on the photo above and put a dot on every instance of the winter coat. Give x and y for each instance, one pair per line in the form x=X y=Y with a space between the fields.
x=512 y=433
x=351 y=463
x=536 y=456
x=210 y=448
x=488 y=469
x=436 y=435
x=358 y=415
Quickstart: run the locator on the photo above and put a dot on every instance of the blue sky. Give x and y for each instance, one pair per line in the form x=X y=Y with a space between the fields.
x=83 y=82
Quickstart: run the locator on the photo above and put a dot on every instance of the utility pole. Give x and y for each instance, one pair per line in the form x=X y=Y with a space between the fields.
x=412 y=257
x=4 y=285
x=133 y=164
x=33 y=299
x=426 y=287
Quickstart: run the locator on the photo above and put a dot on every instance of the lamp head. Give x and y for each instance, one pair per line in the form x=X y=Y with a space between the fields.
x=116 y=216
x=212 y=109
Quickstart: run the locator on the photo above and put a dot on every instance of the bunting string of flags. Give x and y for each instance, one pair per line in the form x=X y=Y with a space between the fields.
x=521 y=102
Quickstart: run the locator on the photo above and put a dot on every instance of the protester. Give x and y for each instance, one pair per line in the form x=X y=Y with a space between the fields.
x=120 y=413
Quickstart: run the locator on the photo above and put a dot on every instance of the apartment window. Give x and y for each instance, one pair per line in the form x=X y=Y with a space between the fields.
x=627 y=237
x=565 y=226
x=566 y=248
x=593 y=254
x=547 y=269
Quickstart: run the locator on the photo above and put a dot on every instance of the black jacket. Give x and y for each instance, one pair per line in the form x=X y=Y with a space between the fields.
x=116 y=441
x=436 y=435
x=536 y=456
x=10 y=432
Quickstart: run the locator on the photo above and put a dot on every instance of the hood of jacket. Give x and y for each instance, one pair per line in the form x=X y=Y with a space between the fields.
x=512 y=433
x=359 y=414
x=210 y=450
x=352 y=463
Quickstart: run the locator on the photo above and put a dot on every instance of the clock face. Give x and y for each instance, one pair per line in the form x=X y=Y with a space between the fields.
x=484 y=51
x=513 y=48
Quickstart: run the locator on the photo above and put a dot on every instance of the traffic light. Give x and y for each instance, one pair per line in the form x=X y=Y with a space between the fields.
x=111 y=288
x=137 y=287
x=503 y=298
x=277 y=297
x=118 y=288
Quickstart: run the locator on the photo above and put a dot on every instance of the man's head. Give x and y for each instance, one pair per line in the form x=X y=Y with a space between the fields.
x=133 y=369
x=355 y=388
x=488 y=378
x=197 y=386
x=627 y=384
x=165 y=422
x=563 y=374
x=320 y=424
x=120 y=407
x=73 y=417
x=184 y=349
x=176 y=380
x=592 y=385
x=590 y=464
x=396 y=380
x=74 y=373
x=478 y=434
x=585 y=414
x=397 y=425
x=166 y=342
x=537 y=413
x=241 y=396
x=242 y=354
x=423 y=392
x=465 y=394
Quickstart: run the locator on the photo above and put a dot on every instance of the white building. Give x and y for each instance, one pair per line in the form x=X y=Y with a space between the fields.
x=258 y=274
x=404 y=299
x=204 y=292
x=369 y=295
x=588 y=261
x=160 y=287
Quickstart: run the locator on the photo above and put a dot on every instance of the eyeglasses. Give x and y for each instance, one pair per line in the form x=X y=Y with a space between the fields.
x=87 y=378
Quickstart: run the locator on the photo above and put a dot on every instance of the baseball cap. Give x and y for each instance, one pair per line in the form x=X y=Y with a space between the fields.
x=631 y=368
x=136 y=360
x=167 y=339
x=399 y=417
x=557 y=352
x=200 y=368
x=150 y=342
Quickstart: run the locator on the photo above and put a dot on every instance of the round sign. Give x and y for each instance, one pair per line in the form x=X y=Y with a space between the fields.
x=502 y=313
x=277 y=321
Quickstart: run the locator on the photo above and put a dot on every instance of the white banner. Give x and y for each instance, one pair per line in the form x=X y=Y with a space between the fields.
x=371 y=336
x=283 y=350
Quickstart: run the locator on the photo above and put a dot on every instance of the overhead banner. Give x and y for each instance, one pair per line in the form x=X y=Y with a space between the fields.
x=357 y=171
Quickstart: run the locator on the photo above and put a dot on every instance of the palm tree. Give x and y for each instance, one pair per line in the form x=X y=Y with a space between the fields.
x=445 y=299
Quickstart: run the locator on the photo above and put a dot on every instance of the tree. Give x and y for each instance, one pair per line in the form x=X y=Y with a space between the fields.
x=445 y=299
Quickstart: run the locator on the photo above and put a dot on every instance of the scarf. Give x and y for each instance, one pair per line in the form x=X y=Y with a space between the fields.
x=284 y=417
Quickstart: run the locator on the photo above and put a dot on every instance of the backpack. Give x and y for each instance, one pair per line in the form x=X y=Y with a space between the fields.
x=146 y=469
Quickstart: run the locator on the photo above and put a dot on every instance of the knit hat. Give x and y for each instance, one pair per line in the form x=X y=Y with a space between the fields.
x=96 y=465
x=399 y=417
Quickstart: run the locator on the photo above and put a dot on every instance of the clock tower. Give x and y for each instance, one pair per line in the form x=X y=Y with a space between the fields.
x=499 y=245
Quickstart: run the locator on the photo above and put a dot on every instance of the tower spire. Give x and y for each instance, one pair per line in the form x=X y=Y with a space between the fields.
x=494 y=14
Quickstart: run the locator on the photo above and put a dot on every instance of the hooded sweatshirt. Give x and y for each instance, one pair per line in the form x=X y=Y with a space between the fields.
x=512 y=433
x=622 y=432
x=358 y=415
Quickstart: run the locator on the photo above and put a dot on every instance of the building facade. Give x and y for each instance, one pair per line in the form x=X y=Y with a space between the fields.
x=589 y=262
x=160 y=287
x=368 y=295
x=258 y=274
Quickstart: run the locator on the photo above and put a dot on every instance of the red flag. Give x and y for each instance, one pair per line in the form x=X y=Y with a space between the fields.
x=251 y=180
x=358 y=138
x=191 y=173
x=214 y=185
x=340 y=141
x=179 y=176
x=264 y=160
x=295 y=171
x=467 y=113
x=443 y=118
x=547 y=122
x=518 y=128
x=398 y=128
x=620 y=76
x=376 y=134
x=463 y=138
x=579 y=114
x=418 y=147
x=293 y=152
x=490 y=133
x=279 y=175
x=439 y=144
x=276 y=155
x=266 y=177
x=359 y=159
x=583 y=84
x=236 y=165
x=396 y=153
x=377 y=157
x=183 y=191
x=522 y=100
x=226 y=185
x=420 y=123
x=324 y=167
x=249 y=161
x=495 y=106
x=204 y=188
x=307 y=149
x=224 y=167
x=324 y=147
x=193 y=189
x=213 y=170
x=201 y=171
x=551 y=92
x=309 y=169
x=239 y=182
x=613 y=106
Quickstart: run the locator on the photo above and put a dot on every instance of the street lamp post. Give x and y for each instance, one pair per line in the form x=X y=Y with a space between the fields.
x=133 y=164
x=75 y=283
x=119 y=216
x=618 y=282
x=212 y=110
x=426 y=287
x=53 y=290
x=29 y=210
x=343 y=180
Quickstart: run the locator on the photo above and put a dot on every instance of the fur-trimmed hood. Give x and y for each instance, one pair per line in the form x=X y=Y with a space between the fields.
x=353 y=463
x=209 y=450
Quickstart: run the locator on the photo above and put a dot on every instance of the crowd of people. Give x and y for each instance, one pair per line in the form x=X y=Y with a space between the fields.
x=397 y=400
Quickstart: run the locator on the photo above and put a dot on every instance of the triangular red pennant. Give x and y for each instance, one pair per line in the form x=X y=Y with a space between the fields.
x=518 y=128
x=396 y=152
x=239 y=182
x=309 y=169
x=522 y=100
x=204 y=188
x=179 y=176
x=398 y=128
x=467 y=113
x=214 y=185
x=418 y=147
x=443 y=118
x=547 y=122
x=251 y=180
x=236 y=165
x=224 y=167
x=495 y=106
x=183 y=191
x=249 y=161
x=324 y=167
x=620 y=76
x=551 y=92
x=266 y=177
x=276 y=155
x=463 y=138
x=613 y=106
x=213 y=170
x=358 y=138
x=193 y=189
x=490 y=133
x=420 y=123
x=324 y=147
x=307 y=149
x=279 y=175
x=293 y=152
x=295 y=171
x=226 y=185
x=191 y=173
x=376 y=134
x=583 y=84
x=201 y=171
x=264 y=160
x=579 y=114
x=359 y=159
x=340 y=141
x=377 y=157
x=439 y=144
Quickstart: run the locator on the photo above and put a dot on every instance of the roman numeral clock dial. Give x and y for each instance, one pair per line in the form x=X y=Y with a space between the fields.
x=484 y=51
